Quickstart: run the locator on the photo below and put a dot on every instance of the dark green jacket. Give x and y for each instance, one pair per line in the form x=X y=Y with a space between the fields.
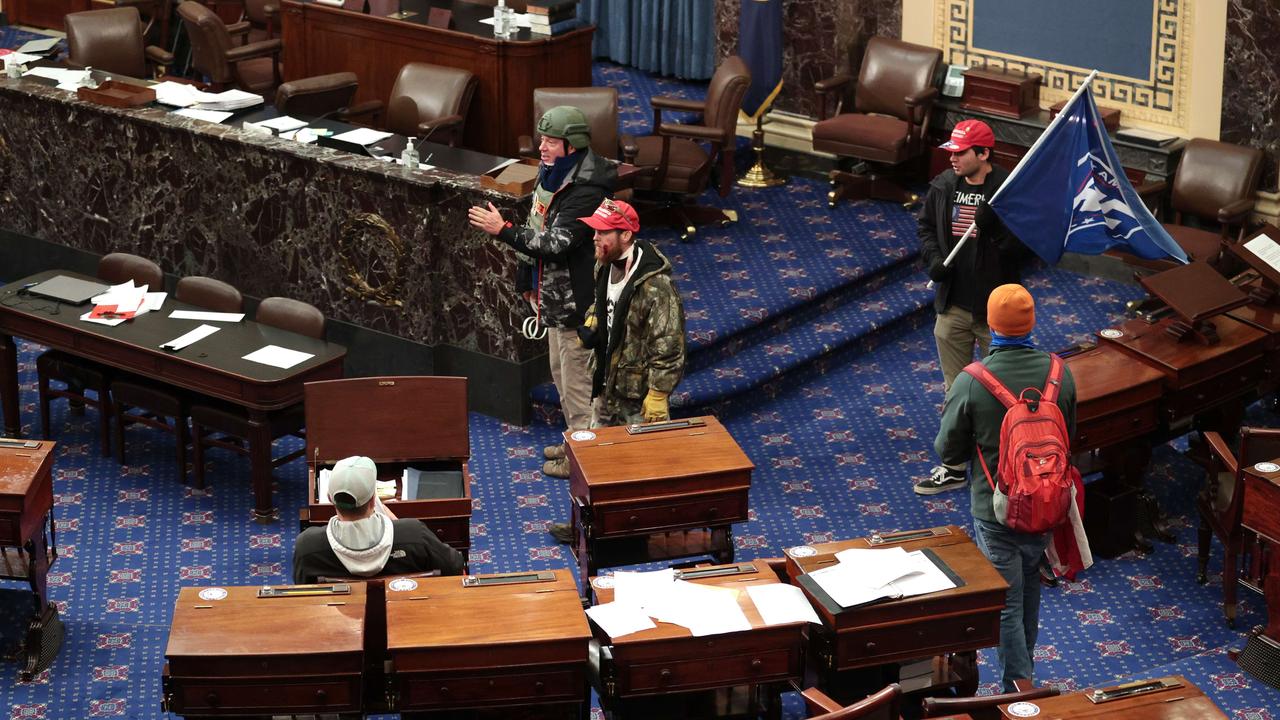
x=973 y=415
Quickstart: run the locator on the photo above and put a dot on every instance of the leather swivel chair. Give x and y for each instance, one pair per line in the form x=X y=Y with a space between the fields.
x=1221 y=506
x=317 y=97
x=674 y=161
x=428 y=102
x=112 y=40
x=888 y=123
x=79 y=374
x=263 y=15
x=1215 y=184
x=884 y=705
x=223 y=63
x=209 y=416
x=162 y=406
x=986 y=707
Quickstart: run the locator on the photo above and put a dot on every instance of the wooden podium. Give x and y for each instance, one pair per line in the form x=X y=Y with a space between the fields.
x=517 y=641
x=655 y=492
x=26 y=523
x=651 y=673
x=233 y=651
x=415 y=422
x=960 y=620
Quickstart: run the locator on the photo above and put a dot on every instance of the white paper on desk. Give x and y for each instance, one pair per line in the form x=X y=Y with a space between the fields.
x=926 y=577
x=276 y=356
x=283 y=124
x=109 y=322
x=362 y=136
x=702 y=609
x=206 y=315
x=878 y=567
x=19 y=58
x=177 y=94
x=154 y=301
x=212 y=116
x=522 y=19
x=63 y=76
x=843 y=583
x=322 y=486
x=302 y=135
x=186 y=339
x=780 y=603
x=1266 y=249
x=640 y=589
x=617 y=619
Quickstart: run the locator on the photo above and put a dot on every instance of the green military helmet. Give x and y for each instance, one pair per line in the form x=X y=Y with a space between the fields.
x=567 y=123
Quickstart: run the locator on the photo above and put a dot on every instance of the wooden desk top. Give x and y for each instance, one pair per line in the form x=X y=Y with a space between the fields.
x=762 y=575
x=441 y=624
x=1186 y=362
x=26 y=489
x=1106 y=375
x=615 y=464
x=243 y=625
x=1180 y=703
x=1262 y=501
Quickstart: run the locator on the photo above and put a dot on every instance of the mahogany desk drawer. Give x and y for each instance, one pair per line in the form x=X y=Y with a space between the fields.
x=1217 y=389
x=10 y=536
x=204 y=696
x=424 y=692
x=454 y=532
x=697 y=673
x=673 y=514
x=917 y=639
x=1115 y=428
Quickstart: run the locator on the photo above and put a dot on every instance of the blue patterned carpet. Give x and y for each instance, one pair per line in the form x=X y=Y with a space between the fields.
x=813 y=343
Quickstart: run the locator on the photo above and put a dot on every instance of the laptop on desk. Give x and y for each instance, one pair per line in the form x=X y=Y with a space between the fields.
x=69 y=290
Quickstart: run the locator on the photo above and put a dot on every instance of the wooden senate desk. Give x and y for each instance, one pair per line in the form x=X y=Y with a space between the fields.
x=518 y=640
x=960 y=620
x=650 y=673
x=26 y=523
x=234 y=652
x=664 y=491
x=1262 y=516
x=1180 y=701
x=212 y=367
x=319 y=39
x=412 y=427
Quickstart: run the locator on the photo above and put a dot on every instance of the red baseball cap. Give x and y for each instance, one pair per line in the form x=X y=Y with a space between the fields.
x=967 y=134
x=613 y=215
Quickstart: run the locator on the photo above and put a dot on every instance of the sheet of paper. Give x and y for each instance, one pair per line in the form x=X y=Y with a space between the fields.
x=362 y=136
x=20 y=58
x=177 y=94
x=522 y=19
x=276 y=356
x=229 y=100
x=186 y=339
x=206 y=315
x=702 y=609
x=780 y=603
x=641 y=588
x=322 y=486
x=110 y=322
x=40 y=46
x=302 y=135
x=1266 y=249
x=925 y=578
x=284 y=123
x=618 y=619
x=842 y=582
x=212 y=116
x=154 y=301
x=876 y=567
x=63 y=76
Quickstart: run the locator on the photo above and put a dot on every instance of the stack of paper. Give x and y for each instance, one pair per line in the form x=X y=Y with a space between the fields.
x=66 y=79
x=362 y=136
x=230 y=100
x=863 y=576
x=182 y=95
x=122 y=302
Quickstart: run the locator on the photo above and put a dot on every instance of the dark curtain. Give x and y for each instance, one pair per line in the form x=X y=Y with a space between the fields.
x=669 y=37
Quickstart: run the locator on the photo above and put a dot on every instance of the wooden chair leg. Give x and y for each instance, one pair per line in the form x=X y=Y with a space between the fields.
x=42 y=388
x=119 y=413
x=1230 y=570
x=197 y=454
x=180 y=434
x=104 y=420
x=1206 y=538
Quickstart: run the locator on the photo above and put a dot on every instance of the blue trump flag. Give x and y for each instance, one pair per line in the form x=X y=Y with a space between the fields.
x=760 y=46
x=1070 y=193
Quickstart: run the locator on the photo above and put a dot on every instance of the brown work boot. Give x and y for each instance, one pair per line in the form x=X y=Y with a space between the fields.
x=556 y=468
x=553 y=452
x=562 y=532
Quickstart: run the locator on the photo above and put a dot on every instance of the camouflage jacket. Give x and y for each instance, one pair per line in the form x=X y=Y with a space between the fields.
x=562 y=252
x=645 y=348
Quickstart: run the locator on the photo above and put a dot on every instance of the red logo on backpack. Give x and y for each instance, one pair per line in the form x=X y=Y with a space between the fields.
x=1035 y=488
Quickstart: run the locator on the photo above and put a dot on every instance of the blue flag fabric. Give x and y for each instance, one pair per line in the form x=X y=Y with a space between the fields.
x=760 y=47
x=1072 y=194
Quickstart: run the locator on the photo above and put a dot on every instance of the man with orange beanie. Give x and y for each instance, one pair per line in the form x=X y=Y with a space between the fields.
x=971 y=417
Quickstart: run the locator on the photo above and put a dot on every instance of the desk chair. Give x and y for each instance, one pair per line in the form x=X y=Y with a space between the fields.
x=1216 y=183
x=209 y=416
x=429 y=102
x=214 y=56
x=263 y=15
x=156 y=401
x=1221 y=505
x=317 y=97
x=884 y=705
x=987 y=706
x=677 y=164
x=889 y=120
x=112 y=40
x=79 y=374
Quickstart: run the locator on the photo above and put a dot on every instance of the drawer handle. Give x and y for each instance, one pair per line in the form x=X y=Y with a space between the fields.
x=444 y=690
x=539 y=686
x=664 y=676
x=633 y=519
x=970 y=630
x=713 y=512
x=756 y=664
x=871 y=647
x=1084 y=439
x=322 y=697
x=211 y=699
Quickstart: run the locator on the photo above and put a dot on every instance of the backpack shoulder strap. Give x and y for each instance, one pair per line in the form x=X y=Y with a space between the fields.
x=1052 y=383
x=991 y=383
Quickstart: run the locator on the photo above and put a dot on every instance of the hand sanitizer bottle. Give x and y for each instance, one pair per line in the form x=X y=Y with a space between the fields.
x=500 y=19
x=409 y=156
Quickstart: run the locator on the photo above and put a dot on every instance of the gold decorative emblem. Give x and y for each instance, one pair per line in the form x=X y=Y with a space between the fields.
x=372 y=254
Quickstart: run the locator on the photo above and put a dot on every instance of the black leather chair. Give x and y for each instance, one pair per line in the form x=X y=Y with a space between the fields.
x=112 y=40
x=222 y=62
x=317 y=97
x=884 y=705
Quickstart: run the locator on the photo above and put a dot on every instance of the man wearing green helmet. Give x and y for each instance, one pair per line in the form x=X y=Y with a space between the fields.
x=558 y=257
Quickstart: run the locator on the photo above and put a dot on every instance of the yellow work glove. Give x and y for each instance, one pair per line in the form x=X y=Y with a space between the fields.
x=655 y=407
x=590 y=322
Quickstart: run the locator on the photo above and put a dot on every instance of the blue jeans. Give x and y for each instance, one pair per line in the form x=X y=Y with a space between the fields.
x=1016 y=556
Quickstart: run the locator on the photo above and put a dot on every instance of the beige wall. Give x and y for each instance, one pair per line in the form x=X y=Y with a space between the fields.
x=1200 y=74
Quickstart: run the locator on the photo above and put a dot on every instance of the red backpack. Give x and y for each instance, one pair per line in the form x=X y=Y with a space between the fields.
x=1035 y=489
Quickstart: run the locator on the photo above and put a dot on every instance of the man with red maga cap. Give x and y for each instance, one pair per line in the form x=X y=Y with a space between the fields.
x=992 y=256
x=635 y=327
x=971 y=420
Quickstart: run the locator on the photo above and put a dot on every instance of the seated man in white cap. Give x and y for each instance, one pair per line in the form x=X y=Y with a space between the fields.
x=364 y=538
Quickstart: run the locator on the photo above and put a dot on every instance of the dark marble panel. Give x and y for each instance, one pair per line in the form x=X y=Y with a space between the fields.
x=820 y=37
x=1251 y=80
x=271 y=216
